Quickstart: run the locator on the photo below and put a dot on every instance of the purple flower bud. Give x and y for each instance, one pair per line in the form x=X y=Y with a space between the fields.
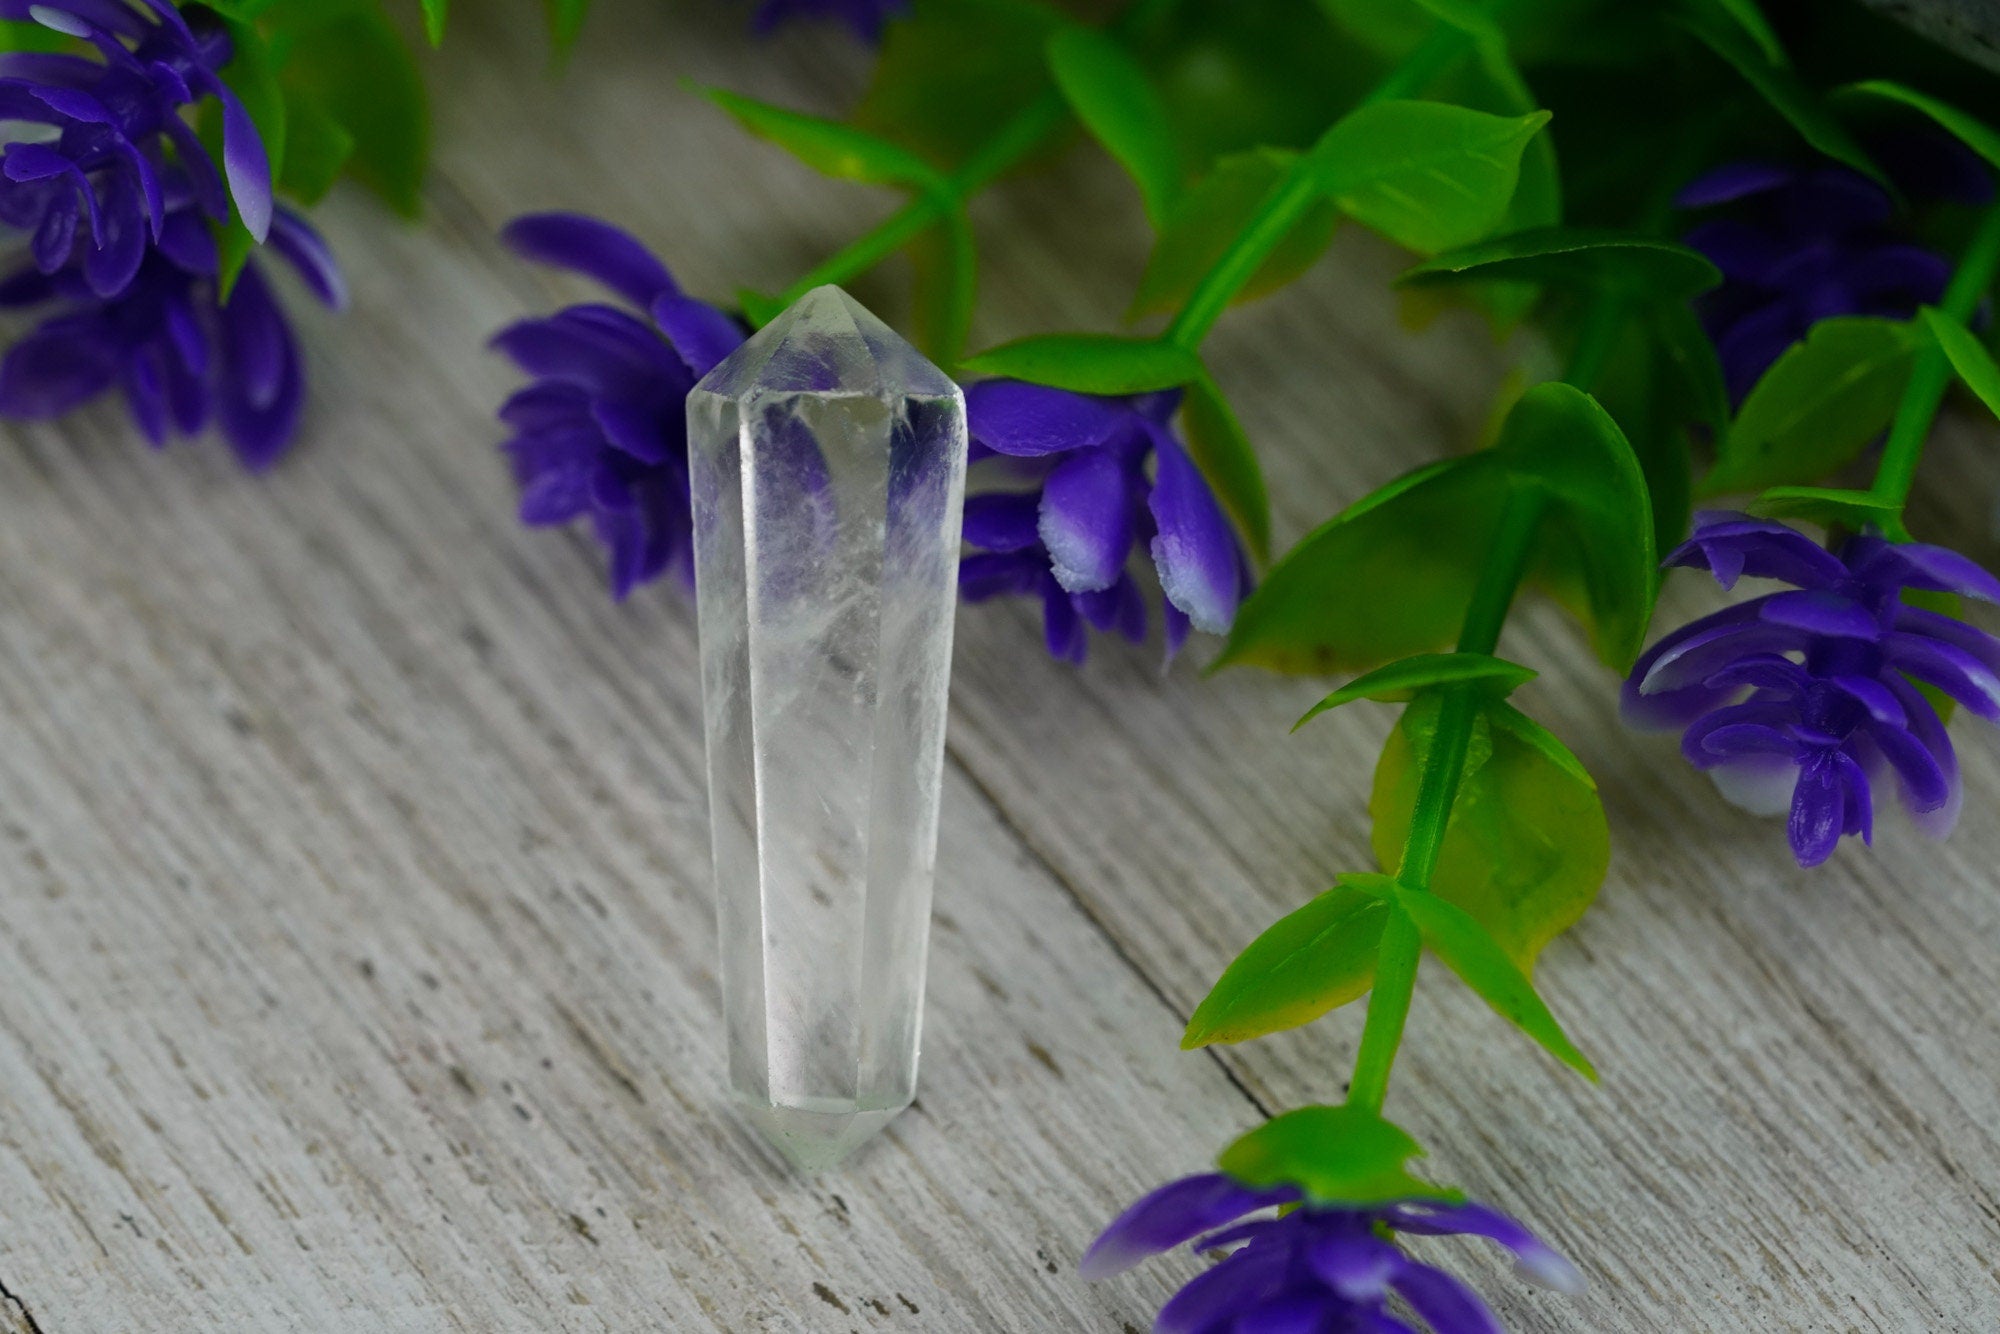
x=1799 y=244
x=601 y=432
x=1315 y=1267
x=866 y=17
x=1109 y=477
x=1800 y=702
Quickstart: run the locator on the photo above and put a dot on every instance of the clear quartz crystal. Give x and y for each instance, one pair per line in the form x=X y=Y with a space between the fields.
x=827 y=460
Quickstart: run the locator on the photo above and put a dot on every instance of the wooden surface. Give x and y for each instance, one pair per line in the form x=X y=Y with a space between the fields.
x=357 y=951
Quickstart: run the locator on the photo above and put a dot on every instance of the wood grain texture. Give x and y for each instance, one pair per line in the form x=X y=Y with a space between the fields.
x=357 y=956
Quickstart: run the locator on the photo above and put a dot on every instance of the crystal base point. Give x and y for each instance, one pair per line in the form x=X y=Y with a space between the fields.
x=827 y=470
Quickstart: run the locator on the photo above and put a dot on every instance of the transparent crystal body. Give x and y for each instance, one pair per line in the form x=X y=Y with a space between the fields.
x=827 y=462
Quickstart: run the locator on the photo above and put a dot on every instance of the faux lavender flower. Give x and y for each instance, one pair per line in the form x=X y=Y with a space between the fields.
x=181 y=357
x=1069 y=540
x=1803 y=700
x=866 y=17
x=1799 y=244
x=113 y=127
x=1314 y=1268
x=602 y=431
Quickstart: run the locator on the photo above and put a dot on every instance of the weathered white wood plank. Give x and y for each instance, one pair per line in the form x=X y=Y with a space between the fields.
x=358 y=938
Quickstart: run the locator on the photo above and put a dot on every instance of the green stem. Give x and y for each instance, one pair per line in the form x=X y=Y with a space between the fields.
x=1016 y=140
x=1931 y=375
x=1402 y=947
x=1294 y=196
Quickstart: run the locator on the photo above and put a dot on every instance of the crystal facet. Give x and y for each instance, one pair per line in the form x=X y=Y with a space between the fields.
x=827 y=462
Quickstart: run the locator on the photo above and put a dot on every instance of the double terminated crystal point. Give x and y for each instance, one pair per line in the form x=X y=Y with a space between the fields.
x=827 y=461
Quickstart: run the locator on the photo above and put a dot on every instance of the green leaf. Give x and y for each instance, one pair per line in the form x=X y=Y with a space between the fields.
x=1691 y=369
x=1312 y=960
x=1527 y=845
x=1418 y=546
x=1336 y=1155
x=1113 y=98
x=1223 y=453
x=348 y=62
x=1415 y=546
x=1719 y=27
x=1425 y=174
x=317 y=147
x=950 y=76
x=1209 y=218
x=1594 y=551
x=1751 y=20
x=27 y=35
x=1833 y=507
x=1818 y=405
x=1402 y=680
x=1974 y=133
x=1591 y=259
x=946 y=264
x=830 y=146
x=1456 y=937
x=1968 y=356
x=1520 y=726
x=565 y=19
x=434 y=17
x=1090 y=363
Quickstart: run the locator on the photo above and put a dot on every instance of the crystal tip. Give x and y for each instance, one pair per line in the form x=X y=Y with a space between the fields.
x=816 y=1136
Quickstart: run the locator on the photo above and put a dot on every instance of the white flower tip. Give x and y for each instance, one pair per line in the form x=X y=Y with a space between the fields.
x=1548 y=1269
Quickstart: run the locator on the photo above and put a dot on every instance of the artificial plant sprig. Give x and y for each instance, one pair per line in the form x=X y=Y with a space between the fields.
x=1801 y=702
x=940 y=196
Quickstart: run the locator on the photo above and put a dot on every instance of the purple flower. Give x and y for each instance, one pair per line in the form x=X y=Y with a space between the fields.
x=1800 y=244
x=1802 y=700
x=1069 y=540
x=115 y=134
x=866 y=17
x=602 y=431
x=181 y=356
x=1314 y=1268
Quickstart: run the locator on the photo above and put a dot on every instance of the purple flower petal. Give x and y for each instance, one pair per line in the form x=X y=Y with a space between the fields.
x=1002 y=574
x=1086 y=519
x=1929 y=731
x=1177 y=1212
x=1302 y=1311
x=703 y=335
x=1447 y=1305
x=1120 y=608
x=1028 y=420
x=1535 y=1260
x=1358 y=1264
x=1733 y=181
x=1951 y=669
x=294 y=239
x=1827 y=615
x=595 y=249
x=1177 y=629
x=1819 y=808
x=1916 y=565
x=120 y=243
x=1003 y=520
x=246 y=164
x=1212 y=1299
x=1731 y=545
x=54 y=368
x=1201 y=570
x=1062 y=627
